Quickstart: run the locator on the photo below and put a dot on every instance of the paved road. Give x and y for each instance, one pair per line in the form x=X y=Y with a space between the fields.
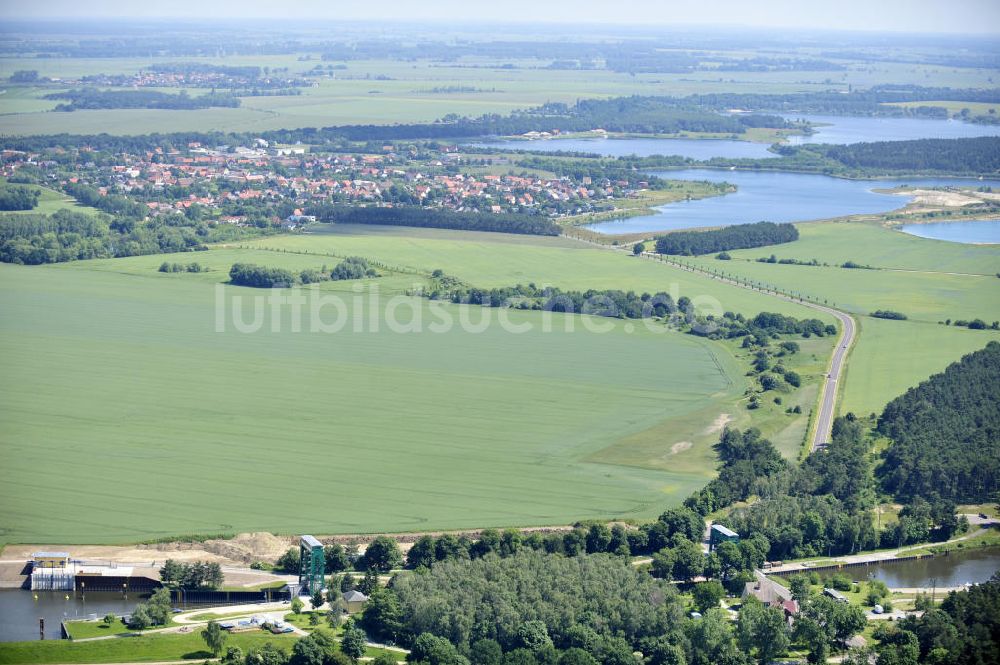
x=828 y=399
x=848 y=330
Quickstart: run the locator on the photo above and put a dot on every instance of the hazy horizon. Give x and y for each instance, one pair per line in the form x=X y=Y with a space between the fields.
x=979 y=17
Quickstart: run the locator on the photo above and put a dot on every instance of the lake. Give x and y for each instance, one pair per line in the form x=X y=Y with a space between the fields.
x=772 y=197
x=834 y=129
x=980 y=232
x=845 y=129
x=691 y=148
x=954 y=569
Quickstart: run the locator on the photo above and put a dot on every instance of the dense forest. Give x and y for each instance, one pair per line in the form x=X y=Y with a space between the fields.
x=971 y=156
x=436 y=218
x=820 y=508
x=139 y=99
x=739 y=236
x=69 y=236
x=946 y=433
x=13 y=197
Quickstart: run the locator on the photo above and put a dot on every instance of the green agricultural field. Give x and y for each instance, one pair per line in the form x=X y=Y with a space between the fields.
x=145 y=649
x=893 y=356
x=875 y=245
x=493 y=260
x=917 y=278
x=126 y=416
x=387 y=91
x=922 y=296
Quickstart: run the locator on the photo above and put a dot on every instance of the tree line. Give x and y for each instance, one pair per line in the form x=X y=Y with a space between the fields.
x=738 y=236
x=963 y=156
x=89 y=99
x=66 y=235
x=438 y=218
x=266 y=277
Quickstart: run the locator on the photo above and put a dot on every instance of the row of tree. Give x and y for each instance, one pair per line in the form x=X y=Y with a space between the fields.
x=438 y=218
x=89 y=99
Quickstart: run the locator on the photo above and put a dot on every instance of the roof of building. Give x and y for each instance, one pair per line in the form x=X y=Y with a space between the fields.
x=310 y=541
x=725 y=531
x=355 y=596
x=50 y=555
x=833 y=593
x=767 y=590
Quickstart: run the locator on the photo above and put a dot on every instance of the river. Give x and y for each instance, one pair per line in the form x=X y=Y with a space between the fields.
x=21 y=609
x=954 y=569
x=773 y=197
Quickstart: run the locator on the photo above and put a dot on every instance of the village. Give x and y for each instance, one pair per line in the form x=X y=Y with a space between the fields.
x=231 y=184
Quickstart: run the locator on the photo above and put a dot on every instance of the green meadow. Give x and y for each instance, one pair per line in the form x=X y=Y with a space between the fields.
x=876 y=245
x=930 y=281
x=50 y=201
x=144 y=649
x=491 y=260
x=119 y=372
x=893 y=356
x=387 y=91
x=128 y=417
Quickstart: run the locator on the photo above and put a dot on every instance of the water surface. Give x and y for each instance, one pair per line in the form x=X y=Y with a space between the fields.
x=691 y=148
x=773 y=197
x=978 y=232
x=846 y=129
x=20 y=610
x=954 y=569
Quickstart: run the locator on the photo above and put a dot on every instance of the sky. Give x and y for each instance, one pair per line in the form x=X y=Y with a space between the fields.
x=941 y=16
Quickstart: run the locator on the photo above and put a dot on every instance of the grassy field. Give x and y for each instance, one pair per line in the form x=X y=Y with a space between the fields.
x=494 y=260
x=381 y=430
x=50 y=201
x=976 y=108
x=386 y=91
x=892 y=356
x=145 y=649
x=917 y=278
x=385 y=429
x=875 y=245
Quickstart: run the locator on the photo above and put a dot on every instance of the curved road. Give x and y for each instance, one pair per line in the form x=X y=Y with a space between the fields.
x=848 y=331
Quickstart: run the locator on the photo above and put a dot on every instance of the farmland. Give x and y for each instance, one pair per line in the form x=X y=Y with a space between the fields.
x=382 y=431
x=494 y=260
x=387 y=91
x=385 y=430
x=930 y=281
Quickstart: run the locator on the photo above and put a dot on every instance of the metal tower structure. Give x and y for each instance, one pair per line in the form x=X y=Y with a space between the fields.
x=312 y=564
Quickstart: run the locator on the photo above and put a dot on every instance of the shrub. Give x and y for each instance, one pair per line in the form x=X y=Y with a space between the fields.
x=889 y=314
